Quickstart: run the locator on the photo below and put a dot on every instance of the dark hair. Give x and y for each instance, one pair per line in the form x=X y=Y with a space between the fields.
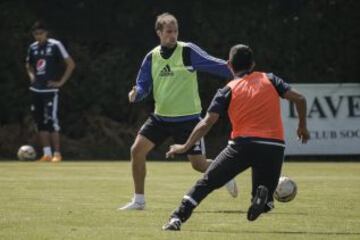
x=164 y=19
x=241 y=57
x=39 y=25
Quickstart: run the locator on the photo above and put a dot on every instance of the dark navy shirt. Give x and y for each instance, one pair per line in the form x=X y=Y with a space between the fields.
x=221 y=101
x=46 y=60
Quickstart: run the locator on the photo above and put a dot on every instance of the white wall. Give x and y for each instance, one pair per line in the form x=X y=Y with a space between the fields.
x=333 y=116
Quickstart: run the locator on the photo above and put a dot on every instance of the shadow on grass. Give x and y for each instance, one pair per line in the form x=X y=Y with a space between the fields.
x=221 y=211
x=280 y=232
x=243 y=212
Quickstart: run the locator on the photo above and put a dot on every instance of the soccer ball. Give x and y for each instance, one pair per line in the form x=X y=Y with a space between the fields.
x=286 y=189
x=26 y=152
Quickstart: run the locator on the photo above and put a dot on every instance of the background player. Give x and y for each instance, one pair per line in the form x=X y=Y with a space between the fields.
x=170 y=71
x=43 y=64
x=257 y=140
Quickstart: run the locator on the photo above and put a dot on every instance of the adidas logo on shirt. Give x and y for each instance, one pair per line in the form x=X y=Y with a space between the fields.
x=166 y=71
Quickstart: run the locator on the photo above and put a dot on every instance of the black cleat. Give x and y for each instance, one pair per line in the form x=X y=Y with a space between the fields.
x=258 y=203
x=268 y=207
x=174 y=224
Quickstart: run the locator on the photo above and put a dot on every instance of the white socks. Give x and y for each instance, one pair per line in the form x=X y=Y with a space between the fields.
x=47 y=151
x=139 y=198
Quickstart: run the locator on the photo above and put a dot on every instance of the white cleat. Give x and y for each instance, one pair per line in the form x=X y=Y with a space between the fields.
x=133 y=206
x=232 y=188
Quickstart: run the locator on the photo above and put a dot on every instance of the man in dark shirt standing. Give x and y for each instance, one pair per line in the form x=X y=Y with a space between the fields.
x=43 y=63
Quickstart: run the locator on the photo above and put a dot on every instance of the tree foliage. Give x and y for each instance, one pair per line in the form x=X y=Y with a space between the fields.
x=299 y=40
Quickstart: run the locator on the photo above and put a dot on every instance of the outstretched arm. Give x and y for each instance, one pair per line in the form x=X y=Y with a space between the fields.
x=143 y=81
x=300 y=105
x=200 y=130
x=285 y=91
x=218 y=106
x=203 y=62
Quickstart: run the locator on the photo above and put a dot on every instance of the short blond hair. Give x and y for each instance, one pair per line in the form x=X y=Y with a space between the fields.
x=164 y=19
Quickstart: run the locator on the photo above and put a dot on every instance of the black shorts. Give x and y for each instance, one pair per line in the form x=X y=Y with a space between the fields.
x=157 y=131
x=44 y=109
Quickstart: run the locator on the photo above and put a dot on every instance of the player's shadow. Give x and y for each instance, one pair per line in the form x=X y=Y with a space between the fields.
x=243 y=212
x=278 y=232
x=221 y=211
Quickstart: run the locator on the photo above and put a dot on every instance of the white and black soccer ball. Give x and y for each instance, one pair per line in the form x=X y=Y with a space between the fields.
x=26 y=153
x=286 y=189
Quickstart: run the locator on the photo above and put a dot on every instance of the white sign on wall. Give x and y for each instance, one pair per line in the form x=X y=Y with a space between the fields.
x=333 y=119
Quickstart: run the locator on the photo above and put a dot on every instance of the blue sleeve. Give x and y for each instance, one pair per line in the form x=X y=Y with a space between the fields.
x=203 y=62
x=221 y=101
x=144 y=79
x=280 y=85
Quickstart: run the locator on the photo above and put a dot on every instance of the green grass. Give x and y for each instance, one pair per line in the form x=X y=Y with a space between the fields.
x=78 y=200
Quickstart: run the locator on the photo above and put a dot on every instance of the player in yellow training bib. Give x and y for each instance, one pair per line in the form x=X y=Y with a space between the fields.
x=170 y=71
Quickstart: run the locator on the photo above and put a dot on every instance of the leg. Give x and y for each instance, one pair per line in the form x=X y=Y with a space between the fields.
x=199 y=162
x=266 y=168
x=38 y=110
x=55 y=140
x=139 y=150
x=150 y=134
x=196 y=156
x=44 y=138
x=180 y=131
x=52 y=124
x=45 y=142
x=229 y=163
x=53 y=104
x=225 y=167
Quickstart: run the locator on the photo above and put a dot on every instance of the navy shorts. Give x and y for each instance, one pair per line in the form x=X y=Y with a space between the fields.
x=44 y=109
x=157 y=131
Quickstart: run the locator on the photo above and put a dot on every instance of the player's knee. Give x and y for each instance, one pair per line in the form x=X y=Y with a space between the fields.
x=49 y=126
x=198 y=162
x=43 y=127
x=137 y=159
x=136 y=151
x=199 y=166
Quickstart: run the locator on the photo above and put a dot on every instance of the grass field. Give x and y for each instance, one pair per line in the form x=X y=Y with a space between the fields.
x=78 y=200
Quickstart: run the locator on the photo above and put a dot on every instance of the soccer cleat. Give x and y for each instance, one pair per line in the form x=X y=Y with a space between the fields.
x=45 y=158
x=133 y=206
x=258 y=203
x=56 y=158
x=174 y=224
x=268 y=207
x=232 y=188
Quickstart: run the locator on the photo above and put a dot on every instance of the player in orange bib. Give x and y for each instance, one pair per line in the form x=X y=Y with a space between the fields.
x=252 y=102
